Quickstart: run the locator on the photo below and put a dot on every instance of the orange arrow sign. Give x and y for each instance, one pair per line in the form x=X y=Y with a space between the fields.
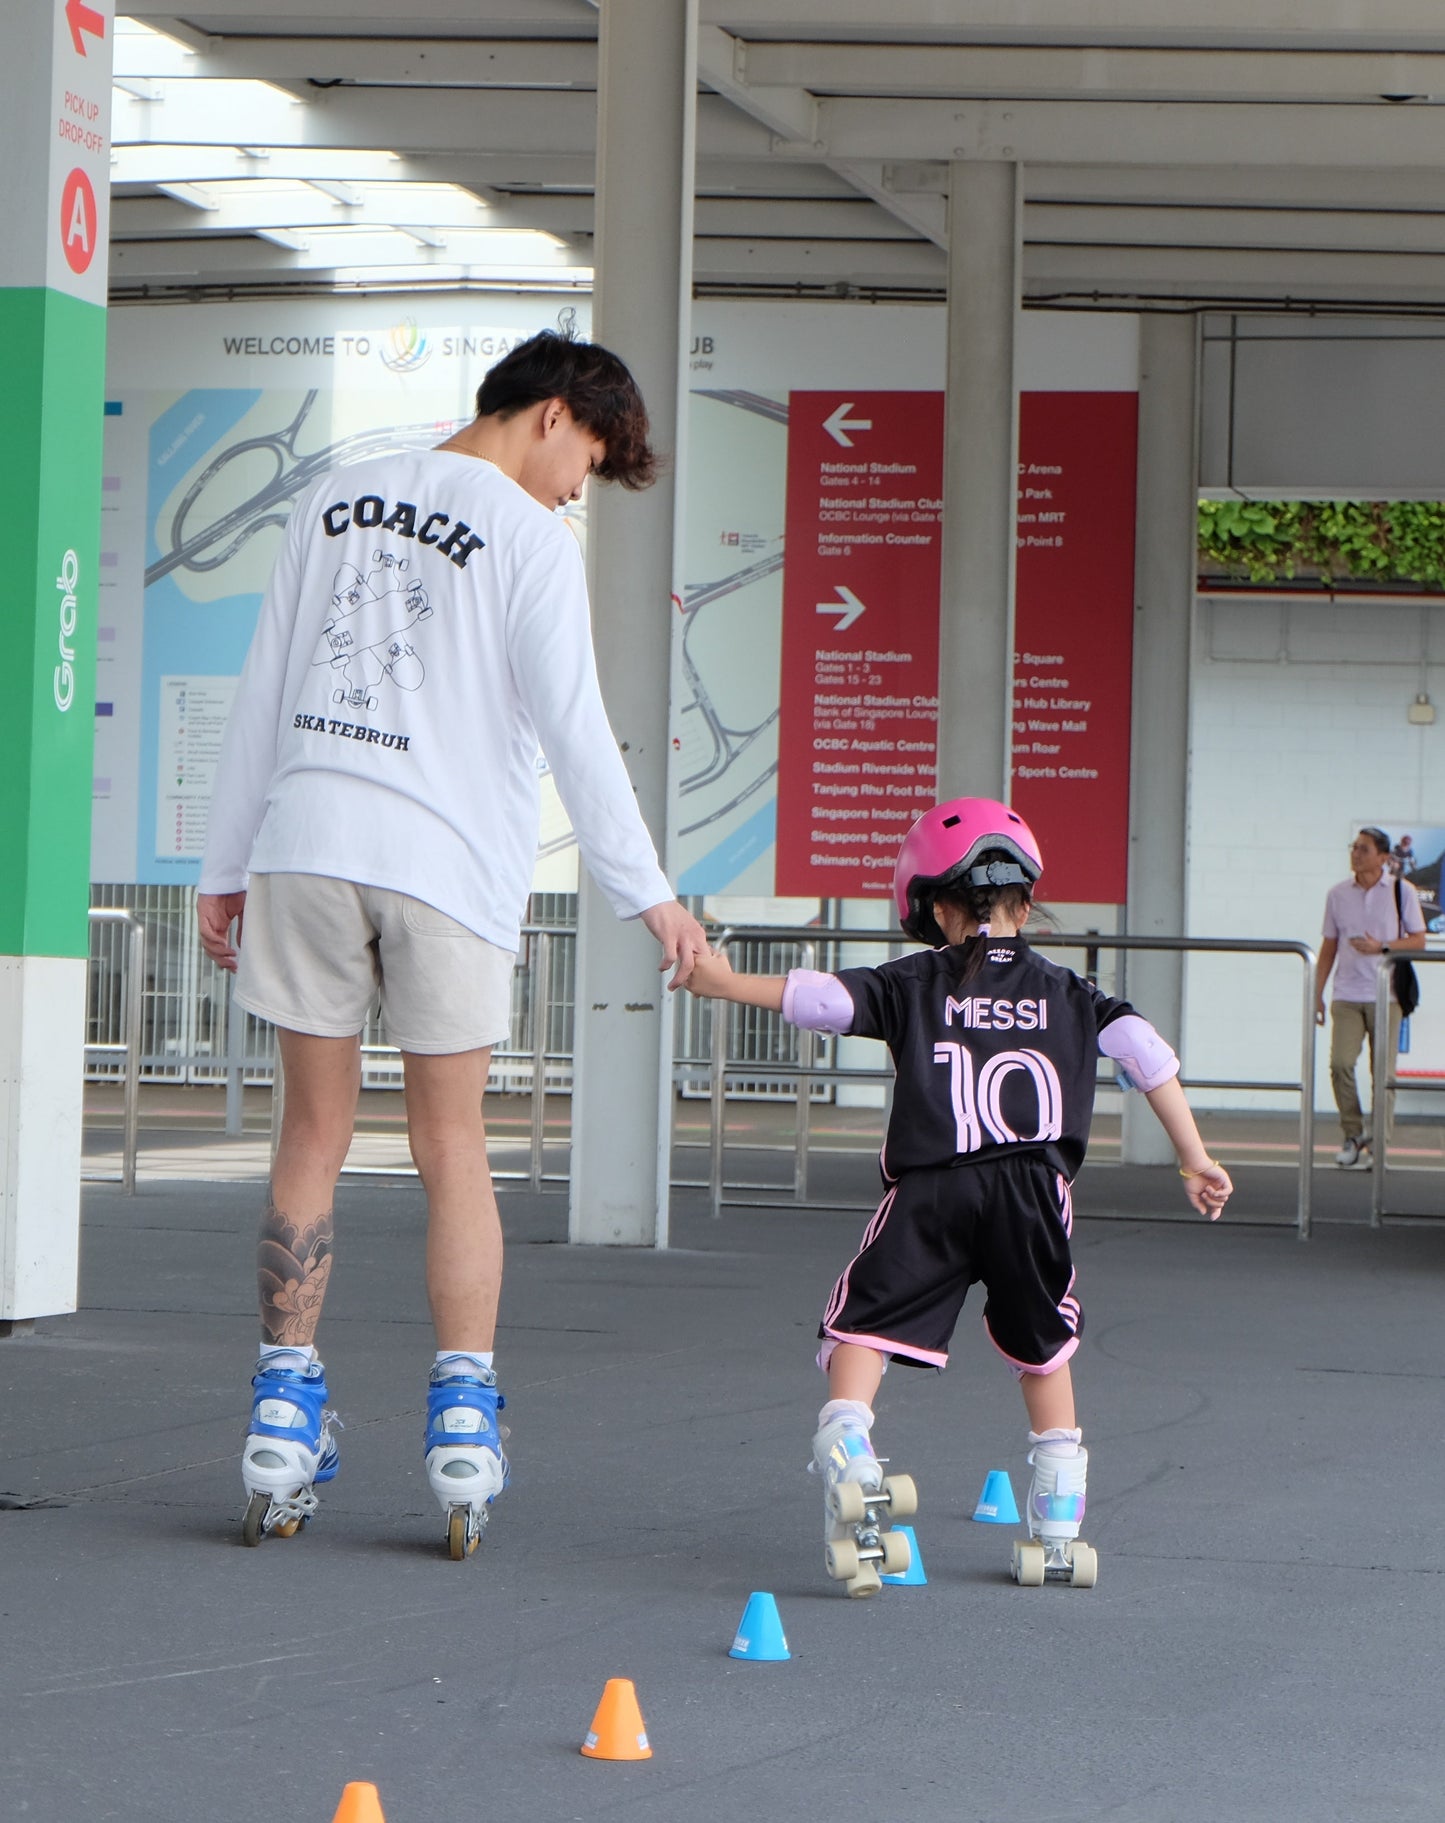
x=82 y=18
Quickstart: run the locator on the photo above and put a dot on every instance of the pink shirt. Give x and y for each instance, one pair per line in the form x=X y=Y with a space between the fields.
x=1357 y=911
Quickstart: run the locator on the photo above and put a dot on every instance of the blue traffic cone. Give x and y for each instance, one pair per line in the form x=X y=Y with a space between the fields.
x=760 y=1631
x=913 y=1577
x=996 y=1504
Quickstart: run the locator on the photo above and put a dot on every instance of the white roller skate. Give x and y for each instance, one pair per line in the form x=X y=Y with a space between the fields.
x=859 y=1501
x=465 y=1467
x=1054 y=1552
x=288 y=1448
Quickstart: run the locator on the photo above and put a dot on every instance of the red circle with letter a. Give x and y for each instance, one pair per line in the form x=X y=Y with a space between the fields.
x=79 y=221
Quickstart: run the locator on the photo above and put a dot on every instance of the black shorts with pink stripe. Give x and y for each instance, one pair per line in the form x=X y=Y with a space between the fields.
x=1005 y=1223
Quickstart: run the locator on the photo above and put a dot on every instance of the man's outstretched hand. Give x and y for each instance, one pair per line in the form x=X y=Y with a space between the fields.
x=215 y=913
x=682 y=938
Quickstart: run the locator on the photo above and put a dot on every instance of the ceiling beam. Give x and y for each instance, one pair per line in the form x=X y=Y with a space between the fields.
x=792 y=115
x=1343 y=24
x=1064 y=73
x=1313 y=230
x=527 y=63
x=209 y=258
x=403 y=120
x=245 y=208
x=1134 y=133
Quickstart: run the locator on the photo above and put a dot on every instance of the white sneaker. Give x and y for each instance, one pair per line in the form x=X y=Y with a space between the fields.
x=1354 y=1152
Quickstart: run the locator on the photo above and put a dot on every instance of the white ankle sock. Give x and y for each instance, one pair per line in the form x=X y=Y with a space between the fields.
x=841 y=1408
x=1057 y=1443
x=285 y=1354
x=457 y=1360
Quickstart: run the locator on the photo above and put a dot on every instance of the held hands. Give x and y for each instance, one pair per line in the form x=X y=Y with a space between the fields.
x=682 y=938
x=215 y=913
x=710 y=977
x=1208 y=1188
x=1368 y=946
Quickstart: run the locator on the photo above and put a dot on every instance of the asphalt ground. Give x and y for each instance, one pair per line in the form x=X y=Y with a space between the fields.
x=1265 y=1639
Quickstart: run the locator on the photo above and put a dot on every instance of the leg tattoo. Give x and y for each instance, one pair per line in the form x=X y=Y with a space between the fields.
x=293 y=1263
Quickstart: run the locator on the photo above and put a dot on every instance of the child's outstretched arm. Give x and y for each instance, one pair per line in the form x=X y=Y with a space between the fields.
x=1149 y=1064
x=712 y=978
x=812 y=1001
x=1207 y=1184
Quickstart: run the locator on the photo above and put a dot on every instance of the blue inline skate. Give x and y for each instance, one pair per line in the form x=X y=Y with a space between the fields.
x=289 y=1448
x=465 y=1467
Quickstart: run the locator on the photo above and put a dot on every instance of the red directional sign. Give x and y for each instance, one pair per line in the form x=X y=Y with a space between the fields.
x=859 y=707
x=81 y=19
x=858 y=715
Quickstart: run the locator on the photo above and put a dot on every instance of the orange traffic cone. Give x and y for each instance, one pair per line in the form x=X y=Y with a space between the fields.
x=617 y=1731
x=360 y=1803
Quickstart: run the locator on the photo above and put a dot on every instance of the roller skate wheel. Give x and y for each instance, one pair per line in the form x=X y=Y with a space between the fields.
x=287 y=1528
x=848 y=1503
x=842 y=1558
x=896 y=1555
x=902 y=1495
x=254 y=1524
x=462 y=1538
x=1028 y=1565
x=865 y=1583
x=1084 y=1565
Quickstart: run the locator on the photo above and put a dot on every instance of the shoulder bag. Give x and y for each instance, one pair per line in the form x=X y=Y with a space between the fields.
x=1402 y=974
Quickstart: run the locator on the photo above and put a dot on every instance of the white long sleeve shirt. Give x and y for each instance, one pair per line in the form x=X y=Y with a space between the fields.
x=425 y=628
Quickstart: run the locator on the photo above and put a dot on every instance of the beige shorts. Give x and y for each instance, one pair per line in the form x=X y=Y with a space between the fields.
x=315 y=951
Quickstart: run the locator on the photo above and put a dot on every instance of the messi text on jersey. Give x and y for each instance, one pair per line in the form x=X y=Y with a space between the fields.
x=982 y=1013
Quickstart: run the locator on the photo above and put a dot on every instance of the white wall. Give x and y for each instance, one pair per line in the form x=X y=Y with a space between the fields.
x=1319 y=408
x=1299 y=735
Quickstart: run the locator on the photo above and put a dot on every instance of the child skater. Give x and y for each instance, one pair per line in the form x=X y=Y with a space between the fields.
x=995 y=1051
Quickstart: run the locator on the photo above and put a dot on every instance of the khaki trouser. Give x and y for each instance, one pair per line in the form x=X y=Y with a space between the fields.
x=1352 y=1025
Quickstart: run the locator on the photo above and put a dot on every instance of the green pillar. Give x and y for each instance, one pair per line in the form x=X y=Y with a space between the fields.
x=55 y=142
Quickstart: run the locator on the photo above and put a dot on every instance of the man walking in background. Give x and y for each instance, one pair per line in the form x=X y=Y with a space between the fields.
x=1371 y=914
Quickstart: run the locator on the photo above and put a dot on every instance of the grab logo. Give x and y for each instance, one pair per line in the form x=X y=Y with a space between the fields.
x=79 y=221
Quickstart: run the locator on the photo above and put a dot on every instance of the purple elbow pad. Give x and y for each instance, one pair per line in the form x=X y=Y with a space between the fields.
x=1145 y=1061
x=816 y=1002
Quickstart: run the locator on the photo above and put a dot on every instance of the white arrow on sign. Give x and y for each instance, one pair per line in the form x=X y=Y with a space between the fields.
x=847 y=608
x=838 y=424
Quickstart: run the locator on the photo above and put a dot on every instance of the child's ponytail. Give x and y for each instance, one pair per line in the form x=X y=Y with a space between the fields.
x=979 y=904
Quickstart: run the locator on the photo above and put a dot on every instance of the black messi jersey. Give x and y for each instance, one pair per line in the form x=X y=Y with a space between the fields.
x=1003 y=1065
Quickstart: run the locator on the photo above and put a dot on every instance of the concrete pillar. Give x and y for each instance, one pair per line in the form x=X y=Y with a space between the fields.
x=54 y=225
x=622 y=1090
x=1165 y=569
x=980 y=479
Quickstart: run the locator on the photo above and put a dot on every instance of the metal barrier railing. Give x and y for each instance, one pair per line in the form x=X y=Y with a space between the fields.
x=806 y=1071
x=1385 y=1080
x=539 y=955
x=133 y=988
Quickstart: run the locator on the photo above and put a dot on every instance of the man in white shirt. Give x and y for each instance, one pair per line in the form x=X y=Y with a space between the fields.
x=375 y=822
x=1362 y=921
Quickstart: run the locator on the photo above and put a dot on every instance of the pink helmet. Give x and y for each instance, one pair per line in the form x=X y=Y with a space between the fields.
x=943 y=848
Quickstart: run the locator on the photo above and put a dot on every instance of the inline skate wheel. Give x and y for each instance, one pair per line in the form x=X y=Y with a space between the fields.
x=461 y=1539
x=1084 y=1564
x=848 y=1503
x=253 y=1525
x=1028 y=1565
x=902 y=1495
x=896 y=1555
x=842 y=1557
x=865 y=1583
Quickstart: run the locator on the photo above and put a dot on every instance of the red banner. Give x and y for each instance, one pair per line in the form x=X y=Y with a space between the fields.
x=860 y=637
x=1074 y=638
x=859 y=712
